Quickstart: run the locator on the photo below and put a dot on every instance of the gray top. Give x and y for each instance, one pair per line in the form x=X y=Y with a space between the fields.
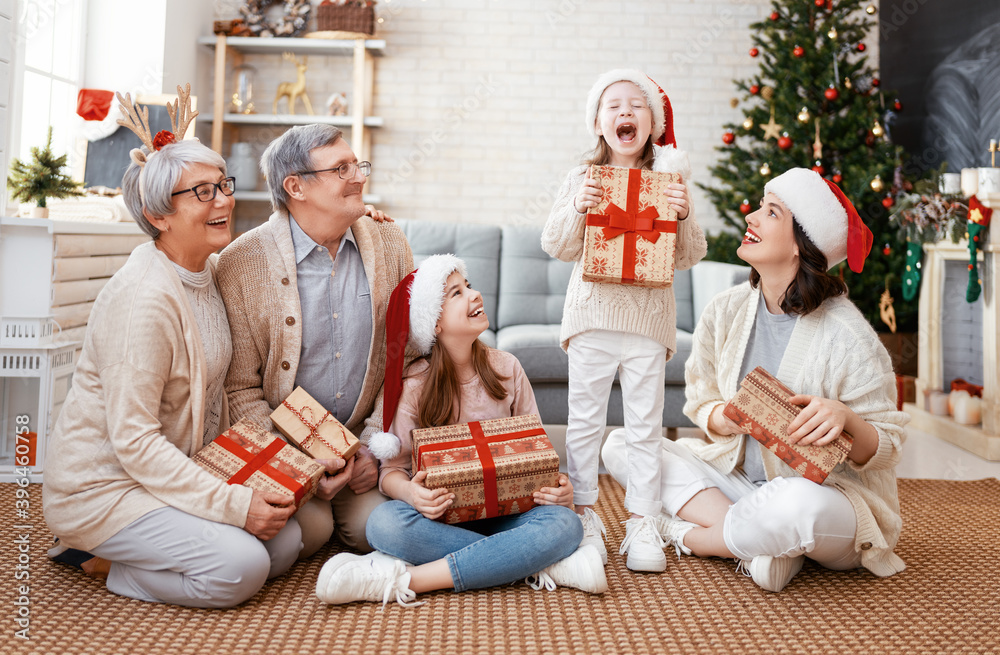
x=336 y=321
x=769 y=338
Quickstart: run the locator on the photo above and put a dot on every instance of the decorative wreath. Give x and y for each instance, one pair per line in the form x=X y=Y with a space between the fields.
x=292 y=23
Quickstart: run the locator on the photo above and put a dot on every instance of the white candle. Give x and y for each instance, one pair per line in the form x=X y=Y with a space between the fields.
x=989 y=180
x=954 y=397
x=951 y=183
x=968 y=410
x=939 y=403
x=970 y=181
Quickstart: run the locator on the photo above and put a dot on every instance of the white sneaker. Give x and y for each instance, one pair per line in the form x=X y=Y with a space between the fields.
x=644 y=545
x=772 y=573
x=672 y=530
x=593 y=533
x=582 y=570
x=376 y=576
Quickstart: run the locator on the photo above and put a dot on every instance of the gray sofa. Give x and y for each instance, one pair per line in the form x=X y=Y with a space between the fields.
x=524 y=289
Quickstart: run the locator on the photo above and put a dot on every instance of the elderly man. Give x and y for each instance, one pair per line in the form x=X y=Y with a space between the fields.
x=306 y=294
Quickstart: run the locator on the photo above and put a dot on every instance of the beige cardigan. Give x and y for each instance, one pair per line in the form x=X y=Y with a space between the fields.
x=257 y=278
x=834 y=353
x=648 y=312
x=122 y=445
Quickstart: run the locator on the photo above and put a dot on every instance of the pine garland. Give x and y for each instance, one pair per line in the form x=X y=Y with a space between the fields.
x=41 y=178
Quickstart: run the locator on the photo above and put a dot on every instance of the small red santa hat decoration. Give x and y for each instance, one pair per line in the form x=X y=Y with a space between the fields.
x=663 y=114
x=411 y=320
x=826 y=216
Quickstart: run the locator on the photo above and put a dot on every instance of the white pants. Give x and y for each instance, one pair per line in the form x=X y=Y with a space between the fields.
x=594 y=358
x=170 y=556
x=785 y=517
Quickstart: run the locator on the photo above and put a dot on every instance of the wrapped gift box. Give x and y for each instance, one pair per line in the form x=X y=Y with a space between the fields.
x=308 y=425
x=248 y=454
x=493 y=467
x=762 y=410
x=631 y=234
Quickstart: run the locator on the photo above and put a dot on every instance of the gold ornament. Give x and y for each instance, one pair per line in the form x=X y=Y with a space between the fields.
x=885 y=309
x=832 y=33
x=877 y=130
x=748 y=124
x=870 y=10
x=847 y=82
x=734 y=102
x=771 y=129
x=817 y=144
x=294 y=90
x=804 y=115
x=765 y=169
x=767 y=93
x=877 y=184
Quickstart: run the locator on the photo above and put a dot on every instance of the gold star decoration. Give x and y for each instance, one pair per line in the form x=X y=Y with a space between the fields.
x=817 y=144
x=771 y=129
x=976 y=216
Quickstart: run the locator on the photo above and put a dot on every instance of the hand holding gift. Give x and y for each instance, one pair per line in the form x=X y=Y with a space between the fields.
x=338 y=474
x=590 y=194
x=268 y=513
x=680 y=202
x=432 y=503
x=820 y=422
x=561 y=494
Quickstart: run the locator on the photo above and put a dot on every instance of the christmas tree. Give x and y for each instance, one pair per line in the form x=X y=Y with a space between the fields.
x=42 y=177
x=816 y=103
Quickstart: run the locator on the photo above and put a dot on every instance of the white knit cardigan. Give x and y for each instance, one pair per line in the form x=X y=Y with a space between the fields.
x=648 y=312
x=833 y=353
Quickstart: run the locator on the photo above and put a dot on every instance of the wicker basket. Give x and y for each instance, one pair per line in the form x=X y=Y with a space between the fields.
x=345 y=18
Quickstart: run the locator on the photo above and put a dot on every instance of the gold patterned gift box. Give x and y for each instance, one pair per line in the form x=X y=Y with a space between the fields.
x=762 y=410
x=308 y=425
x=493 y=467
x=248 y=454
x=631 y=234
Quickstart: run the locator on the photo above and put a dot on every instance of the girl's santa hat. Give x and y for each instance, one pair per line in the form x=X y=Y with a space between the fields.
x=826 y=216
x=411 y=320
x=656 y=98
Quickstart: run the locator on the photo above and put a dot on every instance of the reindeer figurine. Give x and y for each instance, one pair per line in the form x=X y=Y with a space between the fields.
x=294 y=89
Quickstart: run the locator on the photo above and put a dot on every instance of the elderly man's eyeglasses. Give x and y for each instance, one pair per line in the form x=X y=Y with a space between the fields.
x=345 y=171
x=206 y=191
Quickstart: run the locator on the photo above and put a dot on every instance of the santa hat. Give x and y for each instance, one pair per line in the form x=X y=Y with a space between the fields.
x=411 y=320
x=656 y=98
x=826 y=216
x=94 y=104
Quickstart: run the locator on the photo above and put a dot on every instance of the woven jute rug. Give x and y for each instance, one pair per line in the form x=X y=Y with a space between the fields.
x=947 y=601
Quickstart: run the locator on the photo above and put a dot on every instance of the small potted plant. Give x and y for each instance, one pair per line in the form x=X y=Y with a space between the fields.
x=41 y=178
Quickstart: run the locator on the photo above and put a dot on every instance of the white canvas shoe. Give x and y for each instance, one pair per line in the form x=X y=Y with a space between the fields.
x=672 y=530
x=346 y=578
x=644 y=546
x=594 y=533
x=773 y=573
x=582 y=570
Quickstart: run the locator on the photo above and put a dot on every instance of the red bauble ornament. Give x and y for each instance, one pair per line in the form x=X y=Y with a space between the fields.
x=754 y=89
x=886 y=250
x=162 y=138
x=861 y=47
x=837 y=178
x=831 y=93
x=728 y=137
x=820 y=3
x=869 y=139
x=799 y=51
x=754 y=52
x=887 y=202
x=775 y=15
x=898 y=106
x=785 y=142
x=819 y=168
x=876 y=81
x=745 y=207
x=970 y=267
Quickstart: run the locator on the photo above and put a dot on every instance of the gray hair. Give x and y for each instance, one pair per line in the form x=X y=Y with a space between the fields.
x=159 y=177
x=291 y=153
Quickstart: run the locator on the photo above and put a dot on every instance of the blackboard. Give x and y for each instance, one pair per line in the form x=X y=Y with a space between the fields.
x=107 y=158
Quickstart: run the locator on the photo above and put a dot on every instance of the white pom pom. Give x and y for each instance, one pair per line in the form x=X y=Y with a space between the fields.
x=384 y=445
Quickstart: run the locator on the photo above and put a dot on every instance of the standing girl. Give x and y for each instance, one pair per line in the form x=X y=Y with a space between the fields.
x=609 y=328
x=457 y=379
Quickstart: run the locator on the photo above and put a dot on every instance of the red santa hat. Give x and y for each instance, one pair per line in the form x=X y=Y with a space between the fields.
x=656 y=98
x=410 y=320
x=94 y=104
x=826 y=216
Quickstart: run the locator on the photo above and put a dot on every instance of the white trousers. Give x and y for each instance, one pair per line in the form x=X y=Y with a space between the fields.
x=785 y=517
x=170 y=556
x=594 y=358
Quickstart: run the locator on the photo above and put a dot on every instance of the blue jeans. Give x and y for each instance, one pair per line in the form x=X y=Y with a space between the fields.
x=482 y=553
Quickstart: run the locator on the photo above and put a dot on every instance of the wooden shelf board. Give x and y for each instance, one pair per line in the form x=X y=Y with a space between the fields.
x=259 y=45
x=970 y=437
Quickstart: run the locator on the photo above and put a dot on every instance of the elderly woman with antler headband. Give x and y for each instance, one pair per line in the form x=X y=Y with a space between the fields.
x=121 y=492
x=729 y=496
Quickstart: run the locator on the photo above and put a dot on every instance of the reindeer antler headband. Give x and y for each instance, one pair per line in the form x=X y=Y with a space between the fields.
x=138 y=121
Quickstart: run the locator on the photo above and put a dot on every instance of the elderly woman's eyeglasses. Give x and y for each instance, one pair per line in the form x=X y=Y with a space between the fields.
x=345 y=171
x=206 y=191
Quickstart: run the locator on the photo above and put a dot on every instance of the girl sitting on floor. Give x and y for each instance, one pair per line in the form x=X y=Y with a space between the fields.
x=457 y=379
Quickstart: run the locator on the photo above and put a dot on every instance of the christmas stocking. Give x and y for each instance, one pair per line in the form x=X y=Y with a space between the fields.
x=979 y=219
x=911 y=277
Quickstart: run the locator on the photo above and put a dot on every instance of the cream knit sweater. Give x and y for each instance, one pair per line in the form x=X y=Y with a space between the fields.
x=620 y=307
x=122 y=445
x=834 y=353
x=257 y=278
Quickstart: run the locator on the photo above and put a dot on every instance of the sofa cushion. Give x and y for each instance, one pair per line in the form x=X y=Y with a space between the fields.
x=537 y=348
x=532 y=284
x=682 y=298
x=674 y=373
x=477 y=245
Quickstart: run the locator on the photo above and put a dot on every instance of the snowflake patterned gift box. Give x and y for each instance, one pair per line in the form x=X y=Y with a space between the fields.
x=248 y=454
x=762 y=410
x=493 y=467
x=631 y=234
x=309 y=425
